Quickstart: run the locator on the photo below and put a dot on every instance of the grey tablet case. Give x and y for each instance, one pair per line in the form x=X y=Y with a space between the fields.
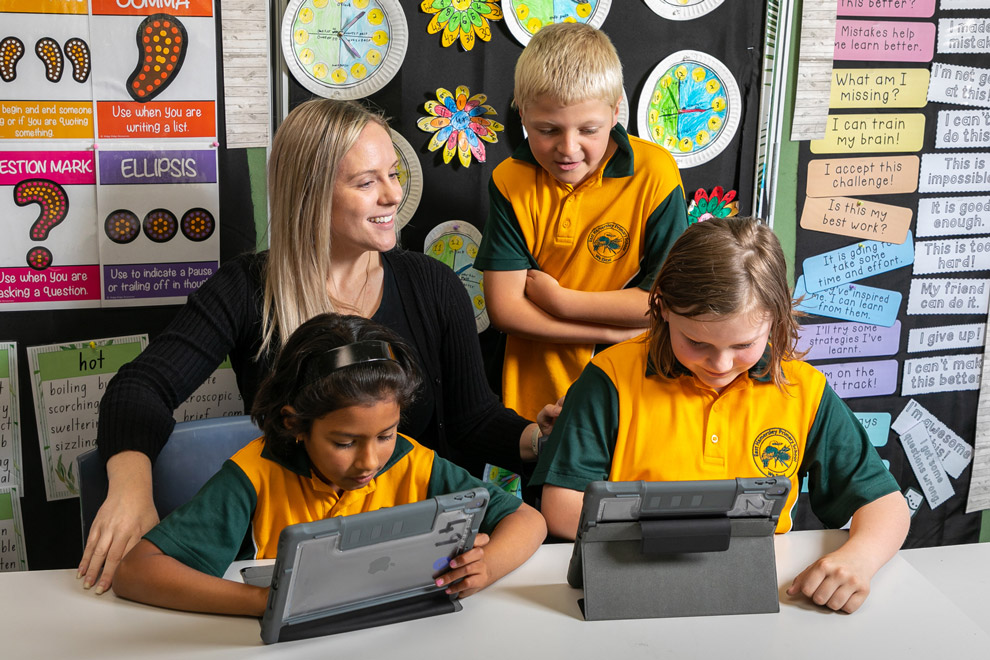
x=369 y=569
x=677 y=548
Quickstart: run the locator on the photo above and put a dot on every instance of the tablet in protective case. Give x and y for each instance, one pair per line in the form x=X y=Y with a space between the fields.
x=369 y=569
x=676 y=516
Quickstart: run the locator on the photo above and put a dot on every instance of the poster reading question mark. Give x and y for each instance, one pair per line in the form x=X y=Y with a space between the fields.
x=50 y=254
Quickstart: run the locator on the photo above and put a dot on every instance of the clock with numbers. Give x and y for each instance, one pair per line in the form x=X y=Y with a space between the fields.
x=682 y=10
x=691 y=105
x=344 y=49
x=455 y=243
x=410 y=178
x=526 y=17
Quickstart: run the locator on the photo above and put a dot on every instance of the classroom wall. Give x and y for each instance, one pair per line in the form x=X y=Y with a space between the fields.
x=732 y=32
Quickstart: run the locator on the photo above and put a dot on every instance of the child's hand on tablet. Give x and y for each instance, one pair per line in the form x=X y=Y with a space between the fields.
x=468 y=572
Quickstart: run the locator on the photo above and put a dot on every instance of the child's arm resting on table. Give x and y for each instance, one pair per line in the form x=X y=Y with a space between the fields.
x=841 y=580
x=514 y=539
x=514 y=313
x=149 y=576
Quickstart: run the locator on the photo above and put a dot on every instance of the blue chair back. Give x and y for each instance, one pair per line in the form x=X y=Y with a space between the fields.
x=194 y=452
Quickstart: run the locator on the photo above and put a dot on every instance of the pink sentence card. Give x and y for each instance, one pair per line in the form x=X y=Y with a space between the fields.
x=884 y=41
x=892 y=8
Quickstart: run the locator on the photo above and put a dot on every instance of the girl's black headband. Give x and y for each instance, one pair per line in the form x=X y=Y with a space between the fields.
x=371 y=350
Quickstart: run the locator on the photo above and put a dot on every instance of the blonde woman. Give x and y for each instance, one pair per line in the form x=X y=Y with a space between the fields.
x=333 y=193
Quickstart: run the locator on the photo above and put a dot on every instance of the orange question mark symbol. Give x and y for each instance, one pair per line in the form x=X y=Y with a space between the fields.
x=54 y=203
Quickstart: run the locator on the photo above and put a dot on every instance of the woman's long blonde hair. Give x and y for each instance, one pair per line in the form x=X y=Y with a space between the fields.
x=302 y=168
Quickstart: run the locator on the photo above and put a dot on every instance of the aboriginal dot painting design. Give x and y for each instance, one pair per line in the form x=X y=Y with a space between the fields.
x=39 y=258
x=54 y=203
x=52 y=199
x=49 y=52
x=11 y=51
x=160 y=225
x=77 y=52
x=122 y=226
x=161 y=40
x=197 y=224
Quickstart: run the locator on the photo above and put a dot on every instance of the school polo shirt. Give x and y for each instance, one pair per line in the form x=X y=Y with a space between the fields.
x=242 y=509
x=611 y=232
x=624 y=422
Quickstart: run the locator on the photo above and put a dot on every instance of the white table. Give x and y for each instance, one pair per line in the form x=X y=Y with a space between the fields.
x=534 y=614
x=961 y=572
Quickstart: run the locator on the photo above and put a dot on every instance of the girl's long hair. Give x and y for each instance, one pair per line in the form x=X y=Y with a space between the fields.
x=722 y=267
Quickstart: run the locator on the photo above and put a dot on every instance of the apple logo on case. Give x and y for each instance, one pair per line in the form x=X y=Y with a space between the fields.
x=381 y=564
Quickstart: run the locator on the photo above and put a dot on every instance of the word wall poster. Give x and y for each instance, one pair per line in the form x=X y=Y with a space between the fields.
x=68 y=381
x=218 y=396
x=13 y=554
x=10 y=428
x=893 y=243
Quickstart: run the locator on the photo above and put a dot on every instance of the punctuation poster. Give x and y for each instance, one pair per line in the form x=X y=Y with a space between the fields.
x=67 y=381
x=893 y=242
x=108 y=168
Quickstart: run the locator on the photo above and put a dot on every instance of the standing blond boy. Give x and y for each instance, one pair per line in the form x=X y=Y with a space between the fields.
x=581 y=218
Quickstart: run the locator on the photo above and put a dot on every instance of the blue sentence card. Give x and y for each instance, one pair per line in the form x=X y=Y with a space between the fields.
x=855 y=262
x=851 y=302
x=877 y=426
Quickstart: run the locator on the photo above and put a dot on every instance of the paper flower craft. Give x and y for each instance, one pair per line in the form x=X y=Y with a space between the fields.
x=718 y=204
x=461 y=18
x=458 y=124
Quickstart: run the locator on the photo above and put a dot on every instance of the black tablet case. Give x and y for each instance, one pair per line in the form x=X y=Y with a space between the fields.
x=667 y=549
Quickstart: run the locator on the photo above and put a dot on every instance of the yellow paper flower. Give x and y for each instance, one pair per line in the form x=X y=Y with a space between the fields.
x=464 y=19
x=459 y=125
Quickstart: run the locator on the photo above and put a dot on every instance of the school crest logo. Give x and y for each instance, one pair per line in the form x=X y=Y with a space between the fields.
x=775 y=452
x=608 y=242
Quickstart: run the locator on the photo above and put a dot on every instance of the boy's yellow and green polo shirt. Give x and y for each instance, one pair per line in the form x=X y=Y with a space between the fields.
x=243 y=508
x=624 y=422
x=611 y=232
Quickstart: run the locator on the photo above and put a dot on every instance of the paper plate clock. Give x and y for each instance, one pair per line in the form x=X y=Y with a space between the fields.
x=455 y=243
x=344 y=50
x=691 y=105
x=410 y=178
x=682 y=10
x=526 y=17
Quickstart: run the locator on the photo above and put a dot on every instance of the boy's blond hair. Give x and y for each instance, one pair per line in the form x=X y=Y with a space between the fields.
x=568 y=63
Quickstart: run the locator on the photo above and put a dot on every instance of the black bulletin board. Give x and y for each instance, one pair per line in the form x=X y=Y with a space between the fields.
x=947 y=523
x=733 y=33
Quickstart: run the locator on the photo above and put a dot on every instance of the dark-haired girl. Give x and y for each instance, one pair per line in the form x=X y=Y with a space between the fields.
x=329 y=412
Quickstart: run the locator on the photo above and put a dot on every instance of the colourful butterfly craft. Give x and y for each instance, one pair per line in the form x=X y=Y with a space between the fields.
x=458 y=125
x=717 y=204
x=462 y=19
